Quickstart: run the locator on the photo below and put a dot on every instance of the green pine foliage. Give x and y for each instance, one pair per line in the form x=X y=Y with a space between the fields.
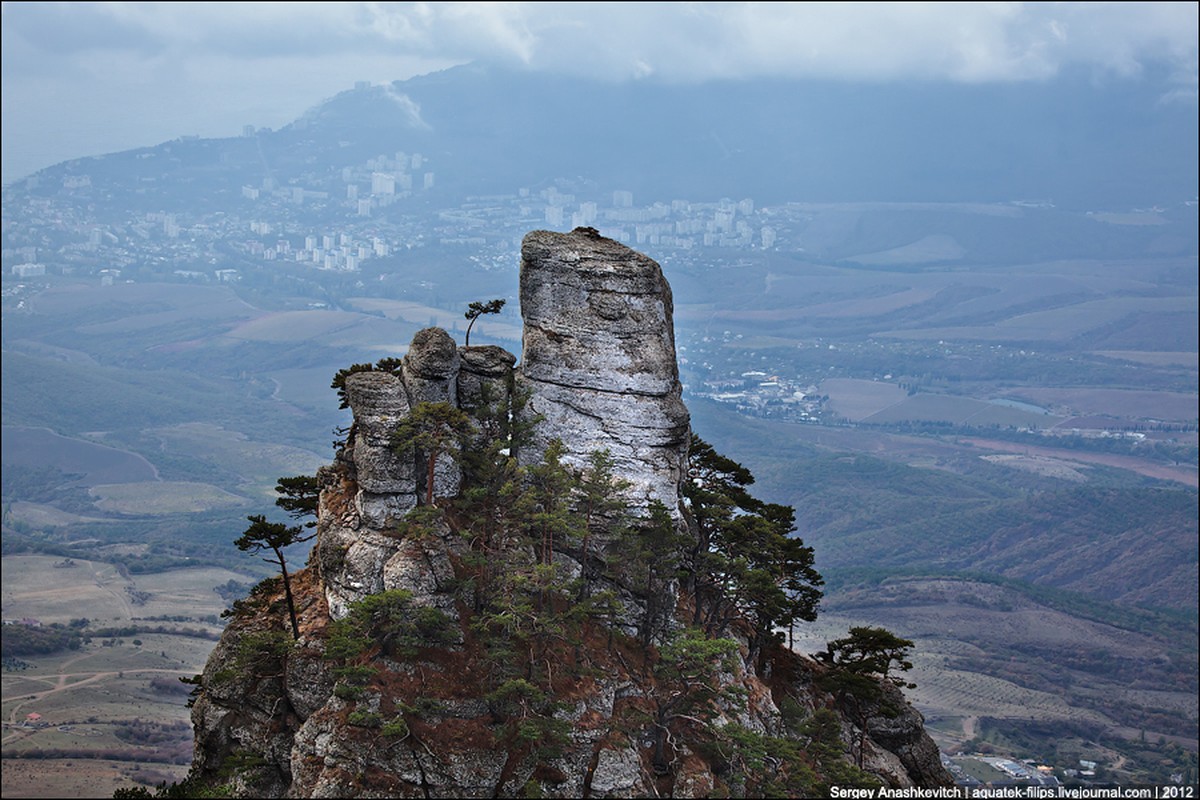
x=338 y=383
x=744 y=563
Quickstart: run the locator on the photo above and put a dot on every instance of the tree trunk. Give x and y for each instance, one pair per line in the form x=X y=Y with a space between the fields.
x=287 y=592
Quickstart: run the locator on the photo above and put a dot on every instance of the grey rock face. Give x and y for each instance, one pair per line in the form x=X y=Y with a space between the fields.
x=431 y=376
x=354 y=546
x=431 y=368
x=484 y=376
x=599 y=359
x=379 y=402
x=903 y=736
x=352 y=563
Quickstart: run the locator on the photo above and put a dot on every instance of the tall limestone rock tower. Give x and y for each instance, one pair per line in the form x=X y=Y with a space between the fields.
x=599 y=360
x=449 y=651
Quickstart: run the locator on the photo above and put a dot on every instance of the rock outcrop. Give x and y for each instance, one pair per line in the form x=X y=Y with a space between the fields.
x=599 y=359
x=424 y=694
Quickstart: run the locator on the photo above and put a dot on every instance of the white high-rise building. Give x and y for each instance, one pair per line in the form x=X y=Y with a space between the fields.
x=383 y=183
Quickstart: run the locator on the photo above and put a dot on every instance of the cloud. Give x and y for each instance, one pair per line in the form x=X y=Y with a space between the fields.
x=140 y=73
x=408 y=106
x=671 y=41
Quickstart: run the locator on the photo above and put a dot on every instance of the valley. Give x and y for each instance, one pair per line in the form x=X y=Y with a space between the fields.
x=984 y=413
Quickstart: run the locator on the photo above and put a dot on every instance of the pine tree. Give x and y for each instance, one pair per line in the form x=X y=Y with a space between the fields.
x=274 y=536
x=602 y=509
x=476 y=310
x=434 y=430
x=745 y=561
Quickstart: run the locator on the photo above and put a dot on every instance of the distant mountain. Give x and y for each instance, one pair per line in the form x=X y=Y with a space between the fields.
x=1072 y=141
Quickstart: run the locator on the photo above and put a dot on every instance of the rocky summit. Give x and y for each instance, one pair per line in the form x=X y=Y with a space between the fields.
x=525 y=583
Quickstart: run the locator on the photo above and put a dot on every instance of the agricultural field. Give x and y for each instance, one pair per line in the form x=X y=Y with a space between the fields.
x=258 y=464
x=112 y=713
x=1116 y=403
x=959 y=411
x=1051 y=460
x=857 y=400
x=119 y=481
x=92 y=463
x=334 y=328
x=166 y=497
x=1154 y=358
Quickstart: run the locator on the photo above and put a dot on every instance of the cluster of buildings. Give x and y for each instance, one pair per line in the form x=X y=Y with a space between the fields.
x=758 y=394
x=333 y=251
x=377 y=184
x=973 y=772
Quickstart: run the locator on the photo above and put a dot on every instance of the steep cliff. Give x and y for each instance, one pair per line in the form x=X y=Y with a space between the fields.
x=551 y=623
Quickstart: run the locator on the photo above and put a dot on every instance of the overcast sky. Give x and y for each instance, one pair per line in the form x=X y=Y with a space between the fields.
x=88 y=78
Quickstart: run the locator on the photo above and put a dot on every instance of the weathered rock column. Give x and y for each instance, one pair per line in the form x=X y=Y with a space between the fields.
x=430 y=374
x=484 y=377
x=386 y=480
x=599 y=360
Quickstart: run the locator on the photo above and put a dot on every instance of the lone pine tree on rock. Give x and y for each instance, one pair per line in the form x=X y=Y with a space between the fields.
x=275 y=536
x=476 y=310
